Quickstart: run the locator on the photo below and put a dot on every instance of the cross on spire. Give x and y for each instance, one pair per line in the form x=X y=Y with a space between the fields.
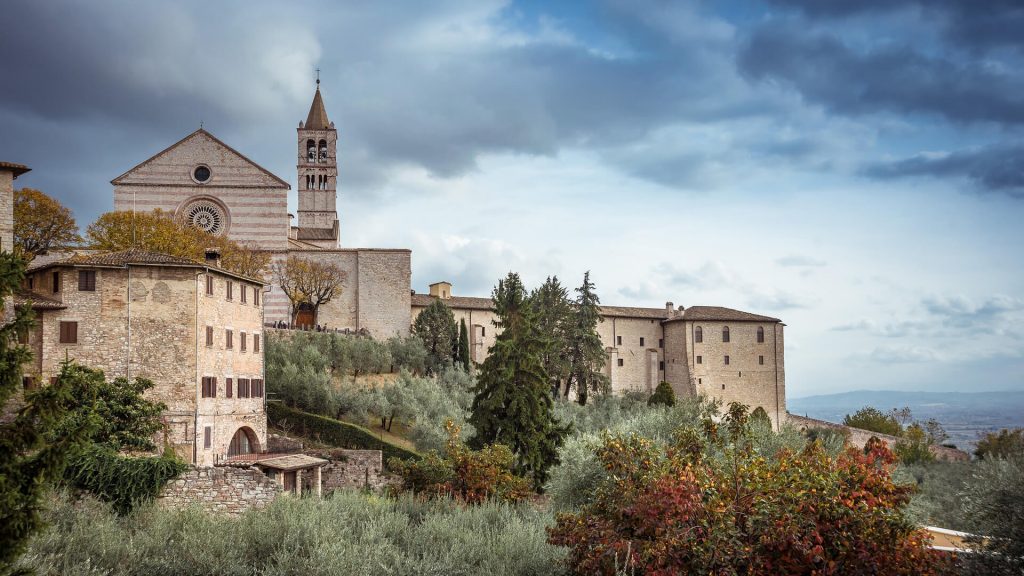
x=318 y=77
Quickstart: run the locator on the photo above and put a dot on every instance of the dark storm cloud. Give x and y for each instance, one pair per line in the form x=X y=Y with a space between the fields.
x=968 y=23
x=898 y=79
x=994 y=169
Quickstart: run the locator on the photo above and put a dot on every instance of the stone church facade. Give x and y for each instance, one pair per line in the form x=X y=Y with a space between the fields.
x=216 y=188
x=739 y=355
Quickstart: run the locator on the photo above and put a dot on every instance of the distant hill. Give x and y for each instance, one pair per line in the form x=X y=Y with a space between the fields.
x=964 y=415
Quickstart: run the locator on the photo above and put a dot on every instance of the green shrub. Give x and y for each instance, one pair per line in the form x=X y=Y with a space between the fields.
x=663 y=395
x=123 y=481
x=333 y=432
x=348 y=534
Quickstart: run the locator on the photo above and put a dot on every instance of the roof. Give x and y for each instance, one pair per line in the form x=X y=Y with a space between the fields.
x=281 y=183
x=37 y=301
x=17 y=169
x=317 y=118
x=136 y=257
x=315 y=234
x=633 y=312
x=290 y=462
x=720 y=313
x=462 y=302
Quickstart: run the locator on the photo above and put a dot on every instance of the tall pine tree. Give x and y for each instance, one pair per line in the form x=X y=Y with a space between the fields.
x=435 y=326
x=554 y=312
x=513 y=403
x=463 y=355
x=586 y=353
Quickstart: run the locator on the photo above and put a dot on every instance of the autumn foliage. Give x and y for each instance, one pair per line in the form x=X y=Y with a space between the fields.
x=470 y=476
x=710 y=504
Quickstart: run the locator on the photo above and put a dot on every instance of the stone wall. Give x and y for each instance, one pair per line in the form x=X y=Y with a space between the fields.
x=6 y=210
x=859 y=438
x=634 y=345
x=222 y=489
x=353 y=469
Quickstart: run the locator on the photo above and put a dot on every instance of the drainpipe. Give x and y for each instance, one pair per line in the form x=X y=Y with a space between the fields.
x=128 y=355
x=195 y=389
x=775 y=345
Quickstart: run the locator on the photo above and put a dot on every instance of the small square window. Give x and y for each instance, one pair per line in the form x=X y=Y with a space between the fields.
x=661 y=342
x=620 y=362
x=700 y=359
x=726 y=360
x=661 y=365
x=69 y=332
x=86 y=280
x=483 y=331
x=723 y=386
x=618 y=340
x=641 y=341
x=760 y=360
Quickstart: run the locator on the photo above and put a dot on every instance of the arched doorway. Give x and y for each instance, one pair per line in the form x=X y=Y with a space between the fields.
x=243 y=442
x=304 y=316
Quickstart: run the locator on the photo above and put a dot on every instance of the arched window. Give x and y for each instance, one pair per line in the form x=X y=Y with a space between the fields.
x=310 y=150
x=698 y=334
x=323 y=150
x=760 y=334
x=243 y=442
x=725 y=333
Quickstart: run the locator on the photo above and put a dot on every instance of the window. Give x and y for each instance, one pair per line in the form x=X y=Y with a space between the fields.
x=725 y=333
x=228 y=340
x=700 y=359
x=620 y=362
x=698 y=334
x=209 y=335
x=230 y=288
x=68 y=332
x=209 y=285
x=661 y=365
x=31 y=282
x=760 y=360
x=760 y=335
x=661 y=342
x=56 y=282
x=255 y=343
x=86 y=280
x=256 y=296
x=257 y=388
x=243 y=388
x=227 y=387
x=700 y=380
x=207 y=437
x=244 y=290
x=723 y=386
x=28 y=382
x=209 y=387
x=726 y=360
x=618 y=340
x=483 y=331
x=23 y=336
x=241 y=341
x=641 y=340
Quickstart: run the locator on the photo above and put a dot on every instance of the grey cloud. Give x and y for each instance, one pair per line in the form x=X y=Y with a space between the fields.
x=800 y=262
x=897 y=79
x=995 y=168
x=904 y=354
x=958 y=311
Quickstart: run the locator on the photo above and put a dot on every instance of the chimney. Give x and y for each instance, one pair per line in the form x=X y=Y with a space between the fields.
x=212 y=257
x=442 y=290
x=668 y=308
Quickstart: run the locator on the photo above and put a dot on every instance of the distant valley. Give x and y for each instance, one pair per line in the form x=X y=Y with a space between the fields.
x=964 y=415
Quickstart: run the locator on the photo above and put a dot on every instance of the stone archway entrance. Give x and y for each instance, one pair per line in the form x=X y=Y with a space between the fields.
x=304 y=317
x=243 y=442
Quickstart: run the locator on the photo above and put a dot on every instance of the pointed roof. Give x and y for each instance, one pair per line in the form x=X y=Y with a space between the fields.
x=200 y=133
x=317 y=118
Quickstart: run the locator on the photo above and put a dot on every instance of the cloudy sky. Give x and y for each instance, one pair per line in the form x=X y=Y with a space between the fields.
x=854 y=167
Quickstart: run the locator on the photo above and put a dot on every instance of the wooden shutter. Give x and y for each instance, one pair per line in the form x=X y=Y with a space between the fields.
x=87 y=280
x=227 y=387
x=209 y=335
x=244 y=290
x=255 y=342
x=213 y=387
x=68 y=332
x=228 y=339
x=241 y=341
x=230 y=288
x=207 y=437
x=209 y=285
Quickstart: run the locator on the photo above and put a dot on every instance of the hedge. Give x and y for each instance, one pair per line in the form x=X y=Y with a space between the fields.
x=124 y=481
x=333 y=432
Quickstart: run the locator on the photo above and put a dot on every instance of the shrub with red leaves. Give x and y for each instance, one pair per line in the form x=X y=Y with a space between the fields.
x=710 y=504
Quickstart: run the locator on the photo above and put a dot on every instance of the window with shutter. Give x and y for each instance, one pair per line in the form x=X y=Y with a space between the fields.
x=230 y=288
x=68 y=332
x=209 y=335
x=244 y=290
x=255 y=342
x=207 y=437
x=228 y=339
x=241 y=341
x=227 y=387
x=86 y=280
x=256 y=296
x=209 y=285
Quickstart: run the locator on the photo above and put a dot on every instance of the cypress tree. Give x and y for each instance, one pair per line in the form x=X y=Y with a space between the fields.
x=435 y=326
x=513 y=403
x=554 y=312
x=463 y=355
x=585 y=351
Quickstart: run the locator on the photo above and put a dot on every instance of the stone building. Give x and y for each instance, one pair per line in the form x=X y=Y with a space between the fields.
x=722 y=353
x=194 y=329
x=9 y=172
x=214 y=187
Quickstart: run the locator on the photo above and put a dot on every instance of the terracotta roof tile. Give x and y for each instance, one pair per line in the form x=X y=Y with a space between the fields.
x=135 y=256
x=315 y=233
x=720 y=313
x=38 y=301
x=317 y=118
x=17 y=169
x=464 y=302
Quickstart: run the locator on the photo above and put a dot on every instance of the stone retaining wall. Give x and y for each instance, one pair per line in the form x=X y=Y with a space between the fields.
x=858 y=437
x=353 y=469
x=222 y=489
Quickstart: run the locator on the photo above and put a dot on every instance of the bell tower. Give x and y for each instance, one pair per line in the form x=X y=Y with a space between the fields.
x=318 y=176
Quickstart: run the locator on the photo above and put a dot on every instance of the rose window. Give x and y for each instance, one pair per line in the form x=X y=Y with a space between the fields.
x=206 y=216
